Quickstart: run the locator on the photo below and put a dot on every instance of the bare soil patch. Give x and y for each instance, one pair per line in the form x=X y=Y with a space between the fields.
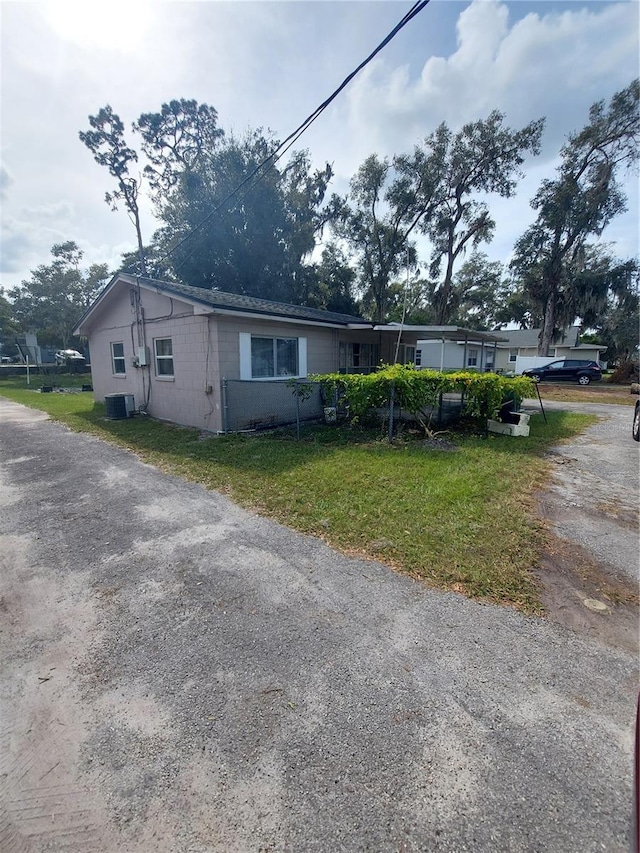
x=572 y=579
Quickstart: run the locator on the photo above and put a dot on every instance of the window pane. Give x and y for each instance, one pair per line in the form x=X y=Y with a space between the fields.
x=164 y=356
x=262 y=357
x=118 y=364
x=163 y=346
x=287 y=356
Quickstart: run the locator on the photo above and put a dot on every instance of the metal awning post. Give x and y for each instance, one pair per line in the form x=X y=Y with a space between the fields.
x=544 y=414
x=464 y=353
x=442 y=355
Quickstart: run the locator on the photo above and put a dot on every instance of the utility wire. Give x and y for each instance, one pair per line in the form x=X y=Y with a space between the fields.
x=290 y=140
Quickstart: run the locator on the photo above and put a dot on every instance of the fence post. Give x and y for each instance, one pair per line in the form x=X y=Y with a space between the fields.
x=225 y=407
x=392 y=398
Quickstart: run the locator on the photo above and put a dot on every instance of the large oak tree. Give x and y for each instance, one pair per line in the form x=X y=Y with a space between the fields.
x=551 y=258
x=438 y=190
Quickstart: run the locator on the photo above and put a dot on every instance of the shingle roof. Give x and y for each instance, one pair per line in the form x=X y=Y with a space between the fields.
x=530 y=337
x=250 y=304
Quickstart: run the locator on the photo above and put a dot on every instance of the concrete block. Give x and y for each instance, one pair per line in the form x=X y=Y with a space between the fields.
x=508 y=429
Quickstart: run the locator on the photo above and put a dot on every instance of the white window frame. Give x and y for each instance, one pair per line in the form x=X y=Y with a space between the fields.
x=115 y=358
x=407 y=354
x=472 y=358
x=163 y=358
x=513 y=355
x=245 y=356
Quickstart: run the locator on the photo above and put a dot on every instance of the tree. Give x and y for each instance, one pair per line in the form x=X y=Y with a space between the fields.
x=8 y=326
x=331 y=282
x=107 y=144
x=435 y=190
x=479 y=293
x=518 y=307
x=578 y=204
x=176 y=141
x=484 y=157
x=52 y=300
x=374 y=222
x=617 y=322
x=231 y=218
x=252 y=241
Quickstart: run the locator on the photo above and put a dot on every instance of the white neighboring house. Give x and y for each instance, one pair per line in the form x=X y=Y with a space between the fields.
x=512 y=352
x=455 y=348
x=521 y=350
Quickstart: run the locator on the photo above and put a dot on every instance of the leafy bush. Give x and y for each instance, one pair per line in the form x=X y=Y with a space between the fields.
x=625 y=372
x=417 y=391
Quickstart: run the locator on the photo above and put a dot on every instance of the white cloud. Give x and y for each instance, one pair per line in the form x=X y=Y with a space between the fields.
x=23 y=245
x=553 y=65
x=6 y=180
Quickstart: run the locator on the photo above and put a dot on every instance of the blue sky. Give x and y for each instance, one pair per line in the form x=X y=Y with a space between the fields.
x=270 y=64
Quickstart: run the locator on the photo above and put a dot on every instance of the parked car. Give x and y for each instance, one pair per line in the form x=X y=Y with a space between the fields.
x=566 y=369
x=70 y=357
x=636 y=421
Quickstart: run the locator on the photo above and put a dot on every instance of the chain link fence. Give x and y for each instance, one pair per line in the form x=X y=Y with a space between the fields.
x=251 y=405
x=257 y=405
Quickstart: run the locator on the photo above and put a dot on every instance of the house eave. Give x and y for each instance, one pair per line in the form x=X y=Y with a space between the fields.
x=204 y=310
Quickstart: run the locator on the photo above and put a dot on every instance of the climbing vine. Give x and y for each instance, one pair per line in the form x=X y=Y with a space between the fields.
x=417 y=391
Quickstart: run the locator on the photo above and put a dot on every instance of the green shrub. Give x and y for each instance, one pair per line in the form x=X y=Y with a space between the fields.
x=419 y=390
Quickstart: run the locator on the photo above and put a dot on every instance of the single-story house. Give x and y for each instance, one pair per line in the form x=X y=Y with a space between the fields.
x=217 y=361
x=523 y=344
x=513 y=351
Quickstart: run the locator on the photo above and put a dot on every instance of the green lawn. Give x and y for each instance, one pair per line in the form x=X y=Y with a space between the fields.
x=459 y=519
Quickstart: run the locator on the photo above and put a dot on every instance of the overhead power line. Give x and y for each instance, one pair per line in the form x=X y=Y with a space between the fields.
x=269 y=162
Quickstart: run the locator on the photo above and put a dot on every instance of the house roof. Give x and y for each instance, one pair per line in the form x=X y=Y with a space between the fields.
x=250 y=304
x=219 y=300
x=590 y=347
x=529 y=338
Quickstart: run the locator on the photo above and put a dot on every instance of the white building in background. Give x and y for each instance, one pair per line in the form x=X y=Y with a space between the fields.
x=514 y=351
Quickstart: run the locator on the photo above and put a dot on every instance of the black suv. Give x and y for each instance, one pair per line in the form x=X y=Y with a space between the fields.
x=569 y=369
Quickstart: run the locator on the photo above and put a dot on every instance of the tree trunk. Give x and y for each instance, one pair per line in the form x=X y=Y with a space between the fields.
x=548 y=323
x=442 y=305
x=143 y=266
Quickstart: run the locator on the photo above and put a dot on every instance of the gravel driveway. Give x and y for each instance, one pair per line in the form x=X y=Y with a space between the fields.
x=180 y=675
x=595 y=495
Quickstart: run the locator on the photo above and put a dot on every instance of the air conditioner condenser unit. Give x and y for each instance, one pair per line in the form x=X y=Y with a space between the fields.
x=119 y=406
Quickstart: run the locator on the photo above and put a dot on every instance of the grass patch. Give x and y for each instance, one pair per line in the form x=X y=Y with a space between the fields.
x=458 y=520
x=599 y=393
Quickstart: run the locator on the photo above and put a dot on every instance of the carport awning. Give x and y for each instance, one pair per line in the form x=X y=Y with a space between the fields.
x=445 y=333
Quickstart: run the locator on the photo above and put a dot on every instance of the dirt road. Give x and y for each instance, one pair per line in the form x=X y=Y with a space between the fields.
x=592 y=568
x=180 y=675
